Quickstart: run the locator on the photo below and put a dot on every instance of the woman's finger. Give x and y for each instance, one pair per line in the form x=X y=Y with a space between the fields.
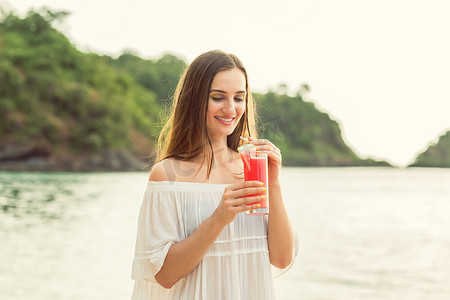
x=247 y=200
x=262 y=142
x=271 y=154
x=265 y=147
x=249 y=207
x=243 y=184
x=268 y=148
x=247 y=191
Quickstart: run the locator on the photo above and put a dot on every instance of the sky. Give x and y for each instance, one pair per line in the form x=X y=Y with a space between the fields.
x=380 y=68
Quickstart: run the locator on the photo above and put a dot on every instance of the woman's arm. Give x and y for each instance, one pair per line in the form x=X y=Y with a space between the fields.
x=185 y=255
x=280 y=235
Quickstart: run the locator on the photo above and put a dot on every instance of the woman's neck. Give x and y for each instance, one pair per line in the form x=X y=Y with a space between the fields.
x=222 y=154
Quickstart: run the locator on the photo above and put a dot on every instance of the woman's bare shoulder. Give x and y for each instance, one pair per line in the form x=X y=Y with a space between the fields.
x=160 y=171
x=171 y=169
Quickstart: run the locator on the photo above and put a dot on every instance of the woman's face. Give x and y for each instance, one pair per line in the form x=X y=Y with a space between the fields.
x=226 y=103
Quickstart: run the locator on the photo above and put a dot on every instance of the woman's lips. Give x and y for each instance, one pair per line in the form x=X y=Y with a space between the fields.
x=223 y=120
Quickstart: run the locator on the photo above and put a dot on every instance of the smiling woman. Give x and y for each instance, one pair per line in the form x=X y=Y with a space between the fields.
x=193 y=241
x=226 y=103
x=214 y=89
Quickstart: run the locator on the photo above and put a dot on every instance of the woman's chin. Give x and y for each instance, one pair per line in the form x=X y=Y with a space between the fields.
x=223 y=133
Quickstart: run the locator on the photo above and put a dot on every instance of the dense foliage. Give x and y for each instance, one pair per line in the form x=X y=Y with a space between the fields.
x=437 y=155
x=56 y=100
x=55 y=95
x=159 y=77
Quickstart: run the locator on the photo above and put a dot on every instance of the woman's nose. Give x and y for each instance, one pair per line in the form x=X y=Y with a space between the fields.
x=229 y=107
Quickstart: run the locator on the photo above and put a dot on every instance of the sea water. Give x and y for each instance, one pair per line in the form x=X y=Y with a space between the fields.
x=364 y=233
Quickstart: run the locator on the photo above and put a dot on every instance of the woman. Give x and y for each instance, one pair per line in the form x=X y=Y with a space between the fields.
x=194 y=241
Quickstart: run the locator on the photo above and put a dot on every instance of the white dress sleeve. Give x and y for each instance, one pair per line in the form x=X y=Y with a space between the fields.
x=158 y=229
x=278 y=272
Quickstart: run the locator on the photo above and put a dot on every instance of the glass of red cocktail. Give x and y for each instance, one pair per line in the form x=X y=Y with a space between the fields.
x=255 y=168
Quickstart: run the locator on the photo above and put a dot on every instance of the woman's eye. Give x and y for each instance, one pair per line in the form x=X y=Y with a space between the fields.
x=220 y=98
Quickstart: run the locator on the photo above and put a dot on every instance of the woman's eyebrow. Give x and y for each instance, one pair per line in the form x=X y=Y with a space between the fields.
x=220 y=91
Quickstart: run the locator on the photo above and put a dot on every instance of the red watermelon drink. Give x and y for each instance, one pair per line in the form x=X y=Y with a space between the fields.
x=255 y=168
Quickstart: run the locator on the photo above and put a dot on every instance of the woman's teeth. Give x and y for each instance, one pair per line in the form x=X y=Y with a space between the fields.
x=225 y=120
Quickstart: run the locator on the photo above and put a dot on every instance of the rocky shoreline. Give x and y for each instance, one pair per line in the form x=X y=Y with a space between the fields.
x=40 y=160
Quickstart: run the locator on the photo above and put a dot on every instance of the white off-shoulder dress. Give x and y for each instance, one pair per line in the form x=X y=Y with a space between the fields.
x=236 y=267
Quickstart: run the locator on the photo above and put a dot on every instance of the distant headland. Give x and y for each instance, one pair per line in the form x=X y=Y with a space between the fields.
x=437 y=155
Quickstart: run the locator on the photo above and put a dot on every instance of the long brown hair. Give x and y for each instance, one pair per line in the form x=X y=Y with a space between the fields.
x=185 y=135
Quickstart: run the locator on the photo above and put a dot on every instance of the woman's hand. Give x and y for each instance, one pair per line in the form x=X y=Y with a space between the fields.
x=234 y=200
x=274 y=157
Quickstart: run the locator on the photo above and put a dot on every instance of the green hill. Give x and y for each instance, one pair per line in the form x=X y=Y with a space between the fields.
x=63 y=109
x=305 y=135
x=437 y=155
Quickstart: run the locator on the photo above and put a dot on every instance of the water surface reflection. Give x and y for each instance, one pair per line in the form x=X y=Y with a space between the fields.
x=27 y=198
